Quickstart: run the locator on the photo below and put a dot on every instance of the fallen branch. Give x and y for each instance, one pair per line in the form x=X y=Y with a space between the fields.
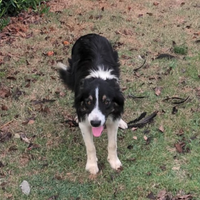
x=176 y=100
x=142 y=120
x=136 y=69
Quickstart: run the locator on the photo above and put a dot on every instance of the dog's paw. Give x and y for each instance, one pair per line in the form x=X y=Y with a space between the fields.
x=92 y=168
x=115 y=163
x=123 y=124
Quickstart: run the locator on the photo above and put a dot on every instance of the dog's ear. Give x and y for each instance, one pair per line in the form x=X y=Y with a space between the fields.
x=118 y=103
x=119 y=99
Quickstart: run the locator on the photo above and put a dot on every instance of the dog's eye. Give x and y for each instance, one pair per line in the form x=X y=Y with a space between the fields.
x=88 y=102
x=107 y=102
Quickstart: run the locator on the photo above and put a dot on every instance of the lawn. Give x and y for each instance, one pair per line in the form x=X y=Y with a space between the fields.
x=159 y=49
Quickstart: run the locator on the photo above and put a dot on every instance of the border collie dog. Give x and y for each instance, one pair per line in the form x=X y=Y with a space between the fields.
x=93 y=76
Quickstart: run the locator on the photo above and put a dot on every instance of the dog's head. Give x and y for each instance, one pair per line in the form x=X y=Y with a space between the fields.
x=97 y=99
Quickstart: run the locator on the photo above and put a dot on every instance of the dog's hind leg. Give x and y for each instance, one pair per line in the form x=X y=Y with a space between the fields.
x=91 y=164
x=112 y=128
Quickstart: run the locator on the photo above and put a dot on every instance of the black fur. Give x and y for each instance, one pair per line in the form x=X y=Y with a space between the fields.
x=90 y=52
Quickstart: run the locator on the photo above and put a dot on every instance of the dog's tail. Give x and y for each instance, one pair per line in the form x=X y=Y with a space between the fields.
x=66 y=75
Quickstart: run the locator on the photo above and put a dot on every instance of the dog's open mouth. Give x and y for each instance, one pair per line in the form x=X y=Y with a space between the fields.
x=97 y=131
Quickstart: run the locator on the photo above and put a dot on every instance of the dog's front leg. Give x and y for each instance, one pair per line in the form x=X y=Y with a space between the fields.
x=91 y=164
x=112 y=128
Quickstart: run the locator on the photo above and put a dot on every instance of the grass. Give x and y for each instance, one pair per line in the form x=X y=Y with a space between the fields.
x=55 y=166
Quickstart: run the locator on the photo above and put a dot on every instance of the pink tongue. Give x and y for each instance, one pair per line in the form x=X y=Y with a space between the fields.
x=97 y=131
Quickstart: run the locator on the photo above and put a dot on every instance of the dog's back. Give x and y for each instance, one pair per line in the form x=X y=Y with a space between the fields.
x=89 y=52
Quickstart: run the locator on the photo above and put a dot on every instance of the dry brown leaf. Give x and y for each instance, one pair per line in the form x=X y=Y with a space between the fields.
x=179 y=148
x=157 y=91
x=161 y=195
x=3 y=107
x=4 y=92
x=24 y=138
x=31 y=121
x=134 y=129
x=66 y=43
x=155 y=3
x=161 y=129
x=50 y=53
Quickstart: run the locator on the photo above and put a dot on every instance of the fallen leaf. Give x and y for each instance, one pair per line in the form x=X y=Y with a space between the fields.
x=155 y=3
x=135 y=137
x=165 y=56
x=8 y=196
x=1 y=164
x=134 y=129
x=176 y=168
x=184 y=197
x=31 y=121
x=66 y=43
x=4 y=92
x=163 y=168
x=161 y=195
x=3 y=107
x=24 y=138
x=12 y=148
x=11 y=78
x=161 y=128
x=45 y=109
x=180 y=132
x=178 y=147
x=50 y=53
x=17 y=136
x=158 y=91
x=145 y=138
x=33 y=146
x=150 y=14
x=5 y=136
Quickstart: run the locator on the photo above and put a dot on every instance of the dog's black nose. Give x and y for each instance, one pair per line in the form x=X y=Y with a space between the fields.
x=95 y=123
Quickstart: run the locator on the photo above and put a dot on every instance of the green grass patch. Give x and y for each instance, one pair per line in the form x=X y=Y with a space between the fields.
x=182 y=49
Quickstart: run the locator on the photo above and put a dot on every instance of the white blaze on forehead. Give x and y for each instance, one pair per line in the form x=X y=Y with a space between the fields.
x=96 y=114
x=102 y=73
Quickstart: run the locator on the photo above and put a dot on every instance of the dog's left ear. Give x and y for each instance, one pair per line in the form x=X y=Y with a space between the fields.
x=119 y=99
x=118 y=103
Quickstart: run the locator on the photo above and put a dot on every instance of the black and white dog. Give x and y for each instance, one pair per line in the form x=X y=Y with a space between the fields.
x=93 y=75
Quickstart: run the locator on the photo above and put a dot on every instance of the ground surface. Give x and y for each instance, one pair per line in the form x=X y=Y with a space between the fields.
x=160 y=160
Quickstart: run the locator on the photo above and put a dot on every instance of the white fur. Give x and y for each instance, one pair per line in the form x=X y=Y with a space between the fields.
x=101 y=73
x=62 y=66
x=86 y=131
x=112 y=128
x=123 y=124
x=96 y=114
